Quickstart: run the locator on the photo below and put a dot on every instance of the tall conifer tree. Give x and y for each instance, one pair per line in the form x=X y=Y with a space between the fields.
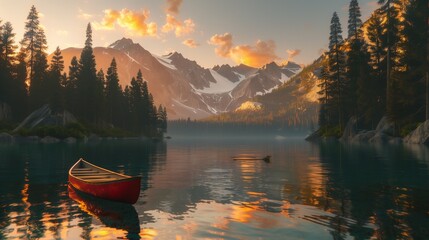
x=336 y=62
x=113 y=94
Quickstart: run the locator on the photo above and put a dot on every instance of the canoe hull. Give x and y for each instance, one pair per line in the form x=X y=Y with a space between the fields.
x=127 y=190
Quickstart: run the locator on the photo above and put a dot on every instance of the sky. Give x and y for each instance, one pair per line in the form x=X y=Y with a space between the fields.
x=211 y=32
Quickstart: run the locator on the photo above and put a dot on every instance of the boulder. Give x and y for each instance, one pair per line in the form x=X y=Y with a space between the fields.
x=6 y=138
x=363 y=136
x=380 y=137
x=70 y=140
x=386 y=126
x=49 y=140
x=45 y=116
x=382 y=134
x=420 y=135
x=350 y=130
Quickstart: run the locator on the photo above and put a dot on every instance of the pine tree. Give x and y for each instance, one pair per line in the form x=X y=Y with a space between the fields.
x=28 y=43
x=355 y=22
x=336 y=62
x=53 y=86
x=71 y=86
x=415 y=60
x=38 y=93
x=19 y=103
x=162 y=119
x=136 y=103
x=354 y=56
x=324 y=95
x=392 y=38
x=113 y=94
x=8 y=46
x=377 y=52
x=146 y=109
x=6 y=51
x=89 y=89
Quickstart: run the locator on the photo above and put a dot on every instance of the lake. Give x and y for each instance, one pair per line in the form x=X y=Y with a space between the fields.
x=192 y=189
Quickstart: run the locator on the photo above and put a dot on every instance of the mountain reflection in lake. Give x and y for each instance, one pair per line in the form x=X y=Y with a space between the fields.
x=191 y=188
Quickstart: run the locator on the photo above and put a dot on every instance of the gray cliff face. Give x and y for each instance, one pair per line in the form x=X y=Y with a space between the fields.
x=228 y=72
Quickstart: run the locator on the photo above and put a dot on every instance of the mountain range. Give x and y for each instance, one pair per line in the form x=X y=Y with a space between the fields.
x=182 y=85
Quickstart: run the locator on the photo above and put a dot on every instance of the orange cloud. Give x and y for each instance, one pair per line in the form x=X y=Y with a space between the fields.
x=135 y=22
x=223 y=43
x=257 y=55
x=173 y=6
x=292 y=53
x=179 y=28
x=191 y=43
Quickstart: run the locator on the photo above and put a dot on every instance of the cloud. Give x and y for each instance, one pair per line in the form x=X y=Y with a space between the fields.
x=180 y=28
x=191 y=43
x=223 y=43
x=83 y=15
x=173 y=6
x=135 y=22
x=292 y=53
x=62 y=33
x=261 y=53
x=257 y=55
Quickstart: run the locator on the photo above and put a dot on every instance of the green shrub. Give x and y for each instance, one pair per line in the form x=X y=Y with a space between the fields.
x=331 y=131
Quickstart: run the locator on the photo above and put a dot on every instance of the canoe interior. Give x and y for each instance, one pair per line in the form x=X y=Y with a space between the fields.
x=93 y=174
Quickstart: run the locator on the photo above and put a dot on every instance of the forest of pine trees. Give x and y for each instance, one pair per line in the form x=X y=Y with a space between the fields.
x=380 y=69
x=28 y=81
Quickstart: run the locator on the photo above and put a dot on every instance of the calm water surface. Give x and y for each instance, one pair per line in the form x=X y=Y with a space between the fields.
x=192 y=189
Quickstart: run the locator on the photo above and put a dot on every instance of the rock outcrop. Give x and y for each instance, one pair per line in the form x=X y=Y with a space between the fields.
x=420 y=135
x=45 y=116
x=49 y=140
x=350 y=131
x=384 y=133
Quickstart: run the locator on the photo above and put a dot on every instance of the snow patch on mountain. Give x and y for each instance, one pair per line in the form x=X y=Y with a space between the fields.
x=222 y=84
x=164 y=60
x=284 y=78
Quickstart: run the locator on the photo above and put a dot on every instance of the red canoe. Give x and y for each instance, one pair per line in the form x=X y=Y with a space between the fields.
x=103 y=183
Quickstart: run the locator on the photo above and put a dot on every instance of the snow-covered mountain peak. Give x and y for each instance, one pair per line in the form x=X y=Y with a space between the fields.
x=122 y=44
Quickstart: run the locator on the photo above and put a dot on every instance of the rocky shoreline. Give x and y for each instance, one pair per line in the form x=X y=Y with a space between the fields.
x=383 y=134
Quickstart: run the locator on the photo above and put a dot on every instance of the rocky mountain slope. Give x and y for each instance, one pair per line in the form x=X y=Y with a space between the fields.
x=183 y=86
x=294 y=103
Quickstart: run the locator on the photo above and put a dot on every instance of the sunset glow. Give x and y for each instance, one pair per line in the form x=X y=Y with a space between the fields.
x=190 y=27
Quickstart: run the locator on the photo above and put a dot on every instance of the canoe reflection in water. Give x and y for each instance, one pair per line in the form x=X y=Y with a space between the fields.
x=112 y=214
